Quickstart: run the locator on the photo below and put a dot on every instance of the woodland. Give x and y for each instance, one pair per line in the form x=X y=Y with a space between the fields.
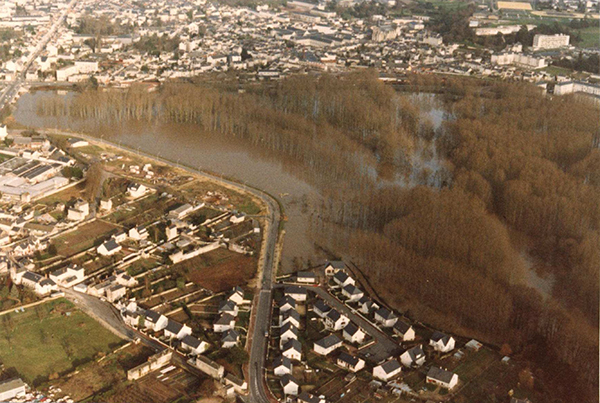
x=515 y=187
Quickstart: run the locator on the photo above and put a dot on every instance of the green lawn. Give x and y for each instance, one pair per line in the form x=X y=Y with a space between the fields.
x=590 y=37
x=51 y=338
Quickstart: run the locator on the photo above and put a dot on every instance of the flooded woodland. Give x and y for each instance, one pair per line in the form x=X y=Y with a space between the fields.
x=468 y=204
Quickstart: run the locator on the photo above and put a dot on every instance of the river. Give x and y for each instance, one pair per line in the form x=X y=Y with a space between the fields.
x=230 y=158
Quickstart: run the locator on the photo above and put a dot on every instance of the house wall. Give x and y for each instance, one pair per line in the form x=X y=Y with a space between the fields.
x=154 y=362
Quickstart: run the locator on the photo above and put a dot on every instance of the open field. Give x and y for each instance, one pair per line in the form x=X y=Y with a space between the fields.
x=219 y=270
x=51 y=338
x=590 y=37
x=513 y=5
x=96 y=376
x=64 y=196
x=83 y=238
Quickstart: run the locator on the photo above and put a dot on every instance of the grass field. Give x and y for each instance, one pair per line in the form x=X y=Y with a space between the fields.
x=51 y=338
x=590 y=37
x=219 y=270
x=83 y=238
x=64 y=196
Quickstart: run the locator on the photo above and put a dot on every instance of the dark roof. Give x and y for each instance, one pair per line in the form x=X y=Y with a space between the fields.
x=191 y=341
x=295 y=289
x=287 y=378
x=385 y=313
x=351 y=329
x=416 y=353
x=231 y=335
x=328 y=341
x=282 y=361
x=337 y=264
x=227 y=306
x=390 y=366
x=31 y=276
x=334 y=315
x=288 y=326
x=111 y=244
x=341 y=276
x=152 y=316
x=174 y=327
x=440 y=374
x=305 y=397
x=401 y=327
x=347 y=358
x=225 y=319
x=292 y=344
x=291 y=313
x=286 y=300
x=322 y=306
x=306 y=274
x=352 y=290
x=437 y=336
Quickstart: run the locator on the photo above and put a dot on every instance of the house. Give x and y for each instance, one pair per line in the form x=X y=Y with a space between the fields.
x=115 y=292
x=11 y=388
x=306 y=277
x=79 y=211
x=442 y=377
x=229 y=307
x=331 y=268
x=181 y=211
x=175 y=330
x=138 y=233
x=296 y=292
x=404 y=331
x=335 y=320
x=352 y=292
x=349 y=362
x=136 y=190
x=366 y=306
x=106 y=204
x=287 y=332
x=320 y=308
x=41 y=285
x=125 y=279
x=154 y=320
x=353 y=333
x=236 y=295
x=342 y=279
x=68 y=276
x=442 y=342
x=327 y=344
x=286 y=303
x=120 y=236
x=131 y=318
x=282 y=366
x=292 y=350
x=413 y=357
x=76 y=143
x=474 y=345
x=385 y=317
x=171 y=232
x=289 y=384
x=109 y=248
x=224 y=323
x=387 y=370
x=290 y=316
x=230 y=339
x=193 y=345
x=305 y=397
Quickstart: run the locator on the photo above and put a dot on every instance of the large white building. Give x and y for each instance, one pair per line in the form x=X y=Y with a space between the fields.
x=550 y=41
x=519 y=59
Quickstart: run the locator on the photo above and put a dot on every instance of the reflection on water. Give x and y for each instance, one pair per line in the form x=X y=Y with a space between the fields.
x=232 y=158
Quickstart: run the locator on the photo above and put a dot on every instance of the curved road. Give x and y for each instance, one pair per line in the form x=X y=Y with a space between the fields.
x=262 y=317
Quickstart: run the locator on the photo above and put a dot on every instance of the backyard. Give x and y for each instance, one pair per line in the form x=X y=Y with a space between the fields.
x=83 y=238
x=51 y=339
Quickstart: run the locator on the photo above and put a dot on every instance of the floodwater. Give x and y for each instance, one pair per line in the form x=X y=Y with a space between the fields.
x=228 y=157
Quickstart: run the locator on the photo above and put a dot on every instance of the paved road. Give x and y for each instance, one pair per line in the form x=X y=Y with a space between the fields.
x=262 y=317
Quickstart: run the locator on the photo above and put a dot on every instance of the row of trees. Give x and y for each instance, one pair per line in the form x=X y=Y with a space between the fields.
x=520 y=177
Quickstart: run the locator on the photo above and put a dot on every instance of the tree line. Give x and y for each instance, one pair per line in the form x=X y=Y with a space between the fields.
x=521 y=181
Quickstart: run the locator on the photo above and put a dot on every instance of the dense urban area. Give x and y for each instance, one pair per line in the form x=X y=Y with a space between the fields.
x=450 y=237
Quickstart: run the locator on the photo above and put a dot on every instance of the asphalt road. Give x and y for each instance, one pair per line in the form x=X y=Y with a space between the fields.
x=11 y=91
x=262 y=315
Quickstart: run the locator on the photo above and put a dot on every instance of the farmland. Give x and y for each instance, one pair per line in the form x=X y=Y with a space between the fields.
x=51 y=338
